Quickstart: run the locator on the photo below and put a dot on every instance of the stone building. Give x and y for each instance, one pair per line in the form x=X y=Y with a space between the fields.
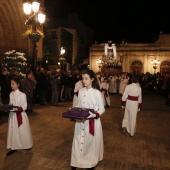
x=12 y=19
x=133 y=58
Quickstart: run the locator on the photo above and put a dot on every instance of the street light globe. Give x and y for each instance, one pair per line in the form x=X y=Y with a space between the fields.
x=27 y=8
x=35 y=6
x=41 y=18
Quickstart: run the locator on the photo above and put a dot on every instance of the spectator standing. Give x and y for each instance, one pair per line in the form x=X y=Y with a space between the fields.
x=55 y=82
x=5 y=86
x=28 y=85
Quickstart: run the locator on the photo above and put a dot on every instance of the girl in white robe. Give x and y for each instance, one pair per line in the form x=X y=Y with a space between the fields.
x=77 y=87
x=87 y=147
x=104 y=87
x=19 y=133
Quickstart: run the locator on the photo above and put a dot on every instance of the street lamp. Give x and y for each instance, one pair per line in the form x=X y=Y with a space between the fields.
x=99 y=62
x=35 y=18
x=62 y=58
x=155 y=64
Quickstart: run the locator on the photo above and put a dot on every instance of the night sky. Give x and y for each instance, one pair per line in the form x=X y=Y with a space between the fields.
x=138 y=21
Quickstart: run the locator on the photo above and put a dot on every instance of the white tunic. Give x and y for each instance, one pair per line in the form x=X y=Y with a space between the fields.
x=19 y=137
x=78 y=86
x=87 y=150
x=105 y=86
x=131 y=108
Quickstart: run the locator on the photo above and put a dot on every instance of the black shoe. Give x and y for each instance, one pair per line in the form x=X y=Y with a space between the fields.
x=73 y=168
x=11 y=152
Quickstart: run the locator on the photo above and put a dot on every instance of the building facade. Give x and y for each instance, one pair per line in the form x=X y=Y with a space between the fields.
x=66 y=38
x=134 y=58
x=12 y=19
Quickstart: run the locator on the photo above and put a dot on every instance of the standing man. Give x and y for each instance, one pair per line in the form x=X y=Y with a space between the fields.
x=131 y=101
x=5 y=86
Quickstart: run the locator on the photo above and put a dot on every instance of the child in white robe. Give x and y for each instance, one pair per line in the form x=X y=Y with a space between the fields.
x=87 y=147
x=19 y=133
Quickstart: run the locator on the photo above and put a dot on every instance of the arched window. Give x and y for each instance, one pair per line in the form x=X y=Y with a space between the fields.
x=136 y=67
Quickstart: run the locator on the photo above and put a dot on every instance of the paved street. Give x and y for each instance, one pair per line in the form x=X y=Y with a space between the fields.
x=149 y=149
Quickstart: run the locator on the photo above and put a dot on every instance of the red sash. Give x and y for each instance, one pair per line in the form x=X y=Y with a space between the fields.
x=91 y=123
x=133 y=98
x=19 y=116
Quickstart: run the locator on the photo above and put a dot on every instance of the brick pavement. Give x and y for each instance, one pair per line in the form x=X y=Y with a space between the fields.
x=149 y=149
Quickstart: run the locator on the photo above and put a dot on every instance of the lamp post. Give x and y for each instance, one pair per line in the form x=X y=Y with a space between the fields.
x=99 y=62
x=155 y=64
x=62 y=58
x=35 y=18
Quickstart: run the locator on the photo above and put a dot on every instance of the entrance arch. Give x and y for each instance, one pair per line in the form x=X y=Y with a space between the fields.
x=165 y=67
x=136 y=67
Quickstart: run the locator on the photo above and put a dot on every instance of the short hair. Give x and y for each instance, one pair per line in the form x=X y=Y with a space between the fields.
x=135 y=78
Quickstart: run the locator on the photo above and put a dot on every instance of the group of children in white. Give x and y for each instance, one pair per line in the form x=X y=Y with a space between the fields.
x=91 y=91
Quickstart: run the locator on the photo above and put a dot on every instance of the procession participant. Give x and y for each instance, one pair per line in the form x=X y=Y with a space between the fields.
x=87 y=146
x=131 y=101
x=19 y=133
x=78 y=86
x=104 y=87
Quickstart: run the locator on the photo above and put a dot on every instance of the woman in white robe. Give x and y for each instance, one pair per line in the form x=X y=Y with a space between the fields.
x=19 y=132
x=104 y=87
x=131 y=101
x=87 y=149
x=78 y=86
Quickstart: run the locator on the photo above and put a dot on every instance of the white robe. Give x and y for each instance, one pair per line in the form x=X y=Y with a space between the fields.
x=19 y=137
x=87 y=150
x=131 y=107
x=106 y=99
x=78 y=86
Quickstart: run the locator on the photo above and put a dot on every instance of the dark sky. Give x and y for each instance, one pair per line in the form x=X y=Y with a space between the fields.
x=117 y=20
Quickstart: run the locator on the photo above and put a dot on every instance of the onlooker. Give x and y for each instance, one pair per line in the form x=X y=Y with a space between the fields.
x=42 y=87
x=28 y=86
x=5 y=86
x=131 y=101
x=55 y=82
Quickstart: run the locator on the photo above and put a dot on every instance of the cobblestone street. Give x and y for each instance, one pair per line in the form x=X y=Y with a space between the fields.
x=149 y=149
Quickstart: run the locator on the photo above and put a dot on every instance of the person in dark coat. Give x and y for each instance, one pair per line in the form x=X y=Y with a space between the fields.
x=5 y=86
x=28 y=86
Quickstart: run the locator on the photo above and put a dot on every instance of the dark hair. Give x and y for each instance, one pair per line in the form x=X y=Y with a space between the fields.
x=91 y=74
x=135 y=78
x=28 y=72
x=17 y=81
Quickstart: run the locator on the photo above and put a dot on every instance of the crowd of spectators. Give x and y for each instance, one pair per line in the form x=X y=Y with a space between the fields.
x=49 y=87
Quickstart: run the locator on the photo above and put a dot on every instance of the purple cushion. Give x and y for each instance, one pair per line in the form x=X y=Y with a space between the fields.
x=6 y=108
x=77 y=113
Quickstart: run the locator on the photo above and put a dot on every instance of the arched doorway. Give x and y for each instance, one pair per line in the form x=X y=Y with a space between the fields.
x=165 y=67
x=136 y=67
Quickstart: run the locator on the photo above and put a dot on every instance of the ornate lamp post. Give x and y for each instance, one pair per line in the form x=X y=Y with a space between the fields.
x=62 y=58
x=155 y=64
x=35 y=18
x=99 y=62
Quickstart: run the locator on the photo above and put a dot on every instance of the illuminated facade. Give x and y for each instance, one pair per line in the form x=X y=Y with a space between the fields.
x=134 y=58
